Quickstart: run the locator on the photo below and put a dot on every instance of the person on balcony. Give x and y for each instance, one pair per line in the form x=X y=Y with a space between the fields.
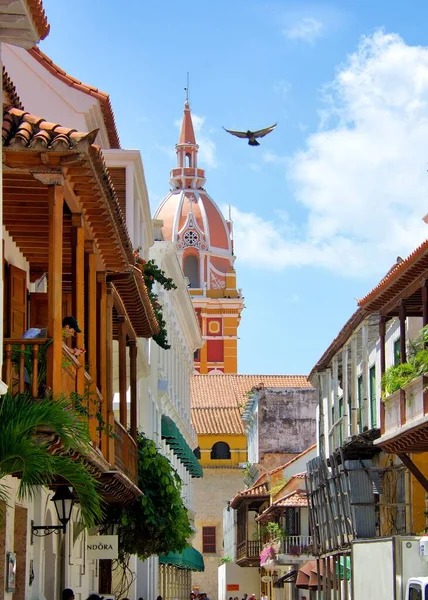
x=70 y=327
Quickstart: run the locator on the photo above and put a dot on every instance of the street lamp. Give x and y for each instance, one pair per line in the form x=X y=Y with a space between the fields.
x=63 y=502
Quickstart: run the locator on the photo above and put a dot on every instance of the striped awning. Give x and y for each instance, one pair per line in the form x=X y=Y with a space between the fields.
x=174 y=438
x=189 y=559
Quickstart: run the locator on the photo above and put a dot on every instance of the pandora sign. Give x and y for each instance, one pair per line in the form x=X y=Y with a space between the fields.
x=102 y=546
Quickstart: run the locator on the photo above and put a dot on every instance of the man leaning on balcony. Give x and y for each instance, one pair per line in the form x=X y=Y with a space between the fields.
x=70 y=327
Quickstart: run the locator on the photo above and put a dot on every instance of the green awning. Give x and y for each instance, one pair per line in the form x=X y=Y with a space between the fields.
x=174 y=438
x=189 y=559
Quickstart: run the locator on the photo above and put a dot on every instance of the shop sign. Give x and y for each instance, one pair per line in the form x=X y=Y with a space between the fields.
x=102 y=546
x=232 y=587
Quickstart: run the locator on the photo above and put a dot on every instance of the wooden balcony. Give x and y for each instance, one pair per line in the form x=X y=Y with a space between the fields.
x=294 y=549
x=24 y=372
x=125 y=452
x=405 y=419
x=248 y=553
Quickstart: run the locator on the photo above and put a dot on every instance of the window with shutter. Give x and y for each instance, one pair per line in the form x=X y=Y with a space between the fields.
x=208 y=540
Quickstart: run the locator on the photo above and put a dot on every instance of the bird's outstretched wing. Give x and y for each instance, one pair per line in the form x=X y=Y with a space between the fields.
x=240 y=134
x=262 y=132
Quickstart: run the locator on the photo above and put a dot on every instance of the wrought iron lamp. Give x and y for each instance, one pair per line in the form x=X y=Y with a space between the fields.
x=63 y=501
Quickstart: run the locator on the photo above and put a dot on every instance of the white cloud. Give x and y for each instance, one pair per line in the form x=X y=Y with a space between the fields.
x=362 y=179
x=207 y=148
x=306 y=29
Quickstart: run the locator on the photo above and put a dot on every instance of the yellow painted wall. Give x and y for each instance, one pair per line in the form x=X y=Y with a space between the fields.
x=418 y=494
x=237 y=445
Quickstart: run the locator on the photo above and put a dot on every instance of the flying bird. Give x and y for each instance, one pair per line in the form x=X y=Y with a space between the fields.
x=252 y=135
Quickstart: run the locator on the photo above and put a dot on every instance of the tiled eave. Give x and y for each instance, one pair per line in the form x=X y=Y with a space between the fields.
x=33 y=145
x=135 y=297
x=23 y=22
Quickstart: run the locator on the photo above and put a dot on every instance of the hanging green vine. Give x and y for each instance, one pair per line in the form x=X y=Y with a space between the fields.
x=157 y=522
x=151 y=273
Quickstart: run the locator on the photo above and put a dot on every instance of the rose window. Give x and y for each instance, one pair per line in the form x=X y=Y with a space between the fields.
x=191 y=238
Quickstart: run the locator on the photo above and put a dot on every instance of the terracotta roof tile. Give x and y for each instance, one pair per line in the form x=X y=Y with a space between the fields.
x=103 y=97
x=296 y=499
x=256 y=491
x=24 y=129
x=217 y=400
x=39 y=17
x=10 y=89
x=217 y=421
x=382 y=291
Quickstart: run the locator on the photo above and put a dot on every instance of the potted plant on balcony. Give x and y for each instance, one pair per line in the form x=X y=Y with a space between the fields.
x=396 y=377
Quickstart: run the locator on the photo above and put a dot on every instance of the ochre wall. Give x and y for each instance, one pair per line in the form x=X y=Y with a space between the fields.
x=419 y=506
x=237 y=445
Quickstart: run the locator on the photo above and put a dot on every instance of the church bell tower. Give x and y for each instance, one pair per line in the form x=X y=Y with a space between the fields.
x=204 y=241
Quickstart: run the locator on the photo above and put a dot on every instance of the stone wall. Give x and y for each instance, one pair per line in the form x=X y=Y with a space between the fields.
x=287 y=423
x=212 y=493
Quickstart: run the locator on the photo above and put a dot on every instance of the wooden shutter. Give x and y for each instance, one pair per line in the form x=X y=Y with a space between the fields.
x=208 y=540
x=17 y=302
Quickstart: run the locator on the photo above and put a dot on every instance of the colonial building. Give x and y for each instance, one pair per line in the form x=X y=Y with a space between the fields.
x=267 y=533
x=217 y=405
x=372 y=434
x=71 y=249
x=204 y=240
x=166 y=416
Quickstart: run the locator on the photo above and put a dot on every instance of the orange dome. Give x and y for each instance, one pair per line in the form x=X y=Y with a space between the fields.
x=192 y=218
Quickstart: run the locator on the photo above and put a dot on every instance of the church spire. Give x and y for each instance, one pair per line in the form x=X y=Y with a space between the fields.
x=187 y=133
x=187 y=175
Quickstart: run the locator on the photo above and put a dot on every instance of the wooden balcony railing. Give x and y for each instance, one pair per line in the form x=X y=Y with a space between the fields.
x=23 y=371
x=248 y=549
x=21 y=365
x=126 y=452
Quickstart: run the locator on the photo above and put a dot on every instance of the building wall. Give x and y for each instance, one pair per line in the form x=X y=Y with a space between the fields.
x=212 y=492
x=247 y=579
x=237 y=445
x=286 y=421
x=45 y=96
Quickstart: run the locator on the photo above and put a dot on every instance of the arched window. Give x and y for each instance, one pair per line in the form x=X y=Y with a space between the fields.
x=197 y=452
x=220 y=451
x=191 y=270
x=188 y=160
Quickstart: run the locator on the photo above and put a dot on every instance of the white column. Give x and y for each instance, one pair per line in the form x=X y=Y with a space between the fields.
x=345 y=388
x=365 y=361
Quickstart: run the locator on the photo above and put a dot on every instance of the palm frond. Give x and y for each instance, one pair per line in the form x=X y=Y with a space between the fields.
x=24 y=452
x=85 y=488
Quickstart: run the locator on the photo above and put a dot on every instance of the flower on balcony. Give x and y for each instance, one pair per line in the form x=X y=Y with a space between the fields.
x=268 y=553
x=295 y=550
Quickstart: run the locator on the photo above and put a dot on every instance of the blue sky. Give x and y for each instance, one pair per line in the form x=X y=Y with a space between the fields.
x=329 y=200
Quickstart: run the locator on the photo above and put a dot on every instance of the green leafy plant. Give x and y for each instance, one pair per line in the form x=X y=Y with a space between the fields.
x=157 y=522
x=24 y=450
x=397 y=376
x=225 y=559
x=152 y=273
x=272 y=530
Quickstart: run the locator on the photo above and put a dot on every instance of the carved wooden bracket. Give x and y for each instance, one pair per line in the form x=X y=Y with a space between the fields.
x=49 y=178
